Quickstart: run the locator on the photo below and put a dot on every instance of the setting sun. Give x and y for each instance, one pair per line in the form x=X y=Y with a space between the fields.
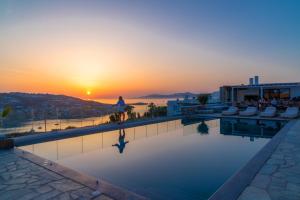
x=88 y=92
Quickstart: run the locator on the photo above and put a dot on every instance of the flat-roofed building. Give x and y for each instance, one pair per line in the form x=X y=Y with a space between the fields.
x=255 y=91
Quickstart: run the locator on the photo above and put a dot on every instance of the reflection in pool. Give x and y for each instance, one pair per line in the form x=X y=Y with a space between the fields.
x=166 y=160
x=122 y=143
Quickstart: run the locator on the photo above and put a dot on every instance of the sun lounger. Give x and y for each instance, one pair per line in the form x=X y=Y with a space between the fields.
x=270 y=111
x=250 y=111
x=291 y=112
x=231 y=111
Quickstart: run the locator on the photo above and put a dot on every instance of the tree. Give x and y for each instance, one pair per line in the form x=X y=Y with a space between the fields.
x=203 y=98
x=202 y=128
x=132 y=116
x=155 y=111
x=129 y=109
x=151 y=108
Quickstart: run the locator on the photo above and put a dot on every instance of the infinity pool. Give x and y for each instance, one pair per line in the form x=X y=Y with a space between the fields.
x=179 y=159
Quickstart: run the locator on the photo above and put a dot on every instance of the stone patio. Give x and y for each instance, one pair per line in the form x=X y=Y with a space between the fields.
x=279 y=178
x=22 y=179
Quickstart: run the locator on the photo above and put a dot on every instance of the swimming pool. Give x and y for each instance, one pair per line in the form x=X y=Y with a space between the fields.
x=180 y=159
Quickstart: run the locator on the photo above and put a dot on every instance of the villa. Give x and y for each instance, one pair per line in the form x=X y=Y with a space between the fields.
x=239 y=94
x=255 y=91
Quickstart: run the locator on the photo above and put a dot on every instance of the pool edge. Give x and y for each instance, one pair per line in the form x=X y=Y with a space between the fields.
x=104 y=187
x=236 y=184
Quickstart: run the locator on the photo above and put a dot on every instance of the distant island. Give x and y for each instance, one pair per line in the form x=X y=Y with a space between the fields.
x=168 y=96
x=27 y=106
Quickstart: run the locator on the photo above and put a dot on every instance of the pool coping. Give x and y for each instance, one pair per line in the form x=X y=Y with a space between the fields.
x=236 y=184
x=101 y=186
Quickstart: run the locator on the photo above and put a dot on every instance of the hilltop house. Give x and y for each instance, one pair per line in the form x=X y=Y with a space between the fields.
x=255 y=91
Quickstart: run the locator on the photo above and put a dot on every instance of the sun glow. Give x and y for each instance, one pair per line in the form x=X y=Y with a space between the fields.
x=88 y=92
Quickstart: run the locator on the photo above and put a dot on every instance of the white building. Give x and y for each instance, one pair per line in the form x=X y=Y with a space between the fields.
x=255 y=91
x=174 y=107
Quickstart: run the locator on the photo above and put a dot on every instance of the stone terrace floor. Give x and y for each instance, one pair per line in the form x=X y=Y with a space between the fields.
x=279 y=178
x=22 y=179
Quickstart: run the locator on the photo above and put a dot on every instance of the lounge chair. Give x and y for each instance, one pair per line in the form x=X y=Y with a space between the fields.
x=232 y=110
x=250 y=111
x=270 y=111
x=291 y=112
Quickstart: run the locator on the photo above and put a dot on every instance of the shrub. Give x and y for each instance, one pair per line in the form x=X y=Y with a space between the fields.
x=155 y=111
x=203 y=98
x=115 y=117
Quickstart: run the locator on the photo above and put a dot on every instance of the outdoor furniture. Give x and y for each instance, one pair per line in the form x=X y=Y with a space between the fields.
x=290 y=113
x=232 y=110
x=270 y=111
x=250 y=111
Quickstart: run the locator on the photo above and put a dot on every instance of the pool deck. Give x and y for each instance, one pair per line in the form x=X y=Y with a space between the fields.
x=27 y=176
x=272 y=174
x=279 y=178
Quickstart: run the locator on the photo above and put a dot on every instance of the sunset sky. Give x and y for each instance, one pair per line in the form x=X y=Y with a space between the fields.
x=133 y=48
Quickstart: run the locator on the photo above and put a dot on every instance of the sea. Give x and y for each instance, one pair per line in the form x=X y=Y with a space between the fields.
x=137 y=108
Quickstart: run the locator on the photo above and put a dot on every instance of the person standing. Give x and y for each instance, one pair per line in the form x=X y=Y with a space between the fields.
x=121 y=108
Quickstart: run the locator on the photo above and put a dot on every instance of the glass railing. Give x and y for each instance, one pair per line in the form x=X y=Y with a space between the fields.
x=48 y=125
x=51 y=125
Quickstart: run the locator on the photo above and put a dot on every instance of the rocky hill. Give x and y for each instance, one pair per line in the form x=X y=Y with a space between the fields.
x=26 y=106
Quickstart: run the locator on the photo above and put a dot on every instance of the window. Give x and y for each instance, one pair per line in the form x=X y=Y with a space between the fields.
x=282 y=93
x=285 y=93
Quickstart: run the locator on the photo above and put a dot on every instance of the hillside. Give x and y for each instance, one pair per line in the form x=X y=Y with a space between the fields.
x=26 y=106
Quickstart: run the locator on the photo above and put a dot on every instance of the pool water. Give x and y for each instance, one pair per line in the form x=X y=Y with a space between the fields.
x=179 y=159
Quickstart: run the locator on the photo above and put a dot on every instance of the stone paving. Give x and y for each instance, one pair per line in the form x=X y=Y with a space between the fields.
x=279 y=178
x=22 y=179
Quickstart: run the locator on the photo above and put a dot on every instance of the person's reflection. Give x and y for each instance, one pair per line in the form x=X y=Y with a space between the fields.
x=122 y=143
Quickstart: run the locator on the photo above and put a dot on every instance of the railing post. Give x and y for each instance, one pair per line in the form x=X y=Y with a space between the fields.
x=45 y=121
